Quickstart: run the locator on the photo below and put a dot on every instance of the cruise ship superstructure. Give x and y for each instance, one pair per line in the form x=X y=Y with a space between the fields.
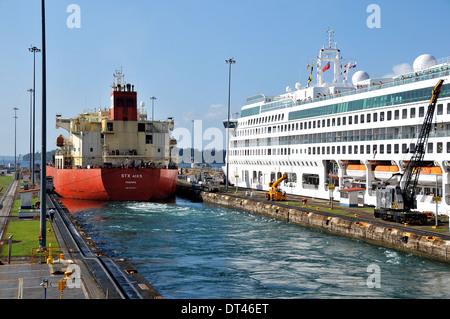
x=338 y=137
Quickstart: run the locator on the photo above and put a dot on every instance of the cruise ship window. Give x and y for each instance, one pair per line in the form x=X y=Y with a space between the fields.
x=356 y=149
x=328 y=123
x=361 y=149
x=421 y=111
x=404 y=148
x=368 y=118
x=343 y=149
x=448 y=108
x=323 y=123
x=396 y=115
x=362 y=118
x=440 y=109
x=344 y=119
x=388 y=148
x=323 y=149
x=368 y=149
x=339 y=149
x=404 y=113
x=448 y=147
x=381 y=148
x=412 y=112
x=296 y=126
x=328 y=150
x=349 y=121
x=381 y=116
x=430 y=148
x=339 y=121
x=439 y=147
x=396 y=148
x=349 y=149
x=389 y=115
x=356 y=119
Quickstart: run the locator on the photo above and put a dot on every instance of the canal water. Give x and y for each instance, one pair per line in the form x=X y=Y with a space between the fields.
x=198 y=251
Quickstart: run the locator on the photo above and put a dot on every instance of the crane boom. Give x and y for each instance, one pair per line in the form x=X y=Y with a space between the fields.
x=412 y=170
x=398 y=202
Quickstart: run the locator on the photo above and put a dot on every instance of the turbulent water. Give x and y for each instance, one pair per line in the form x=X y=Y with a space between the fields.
x=194 y=250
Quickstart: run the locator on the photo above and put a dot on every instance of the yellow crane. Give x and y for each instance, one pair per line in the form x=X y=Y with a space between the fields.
x=274 y=193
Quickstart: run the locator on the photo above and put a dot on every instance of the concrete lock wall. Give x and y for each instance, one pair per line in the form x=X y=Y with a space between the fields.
x=426 y=246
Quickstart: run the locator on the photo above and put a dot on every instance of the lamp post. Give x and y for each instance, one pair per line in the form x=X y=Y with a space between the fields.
x=31 y=121
x=15 y=145
x=33 y=50
x=229 y=62
x=43 y=235
x=153 y=104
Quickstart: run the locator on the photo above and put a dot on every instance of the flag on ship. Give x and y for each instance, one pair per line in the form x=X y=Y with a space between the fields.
x=310 y=75
x=352 y=66
x=326 y=67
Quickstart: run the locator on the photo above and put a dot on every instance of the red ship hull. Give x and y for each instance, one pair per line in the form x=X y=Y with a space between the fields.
x=115 y=184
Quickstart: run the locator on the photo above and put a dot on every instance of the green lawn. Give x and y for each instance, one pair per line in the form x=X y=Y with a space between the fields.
x=5 y=180
x=25 y=237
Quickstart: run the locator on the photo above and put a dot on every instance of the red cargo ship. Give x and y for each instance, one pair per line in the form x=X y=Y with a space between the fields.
x=115 y=154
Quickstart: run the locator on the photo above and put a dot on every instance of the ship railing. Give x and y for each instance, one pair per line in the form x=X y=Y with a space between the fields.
x=408 y=78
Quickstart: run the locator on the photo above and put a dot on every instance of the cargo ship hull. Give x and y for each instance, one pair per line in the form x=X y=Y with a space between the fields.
x=115 y=184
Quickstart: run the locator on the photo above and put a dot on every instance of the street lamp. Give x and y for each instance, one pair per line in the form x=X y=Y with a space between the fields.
x=43 y=213
x=15 y=144
x=31 y=121
x=153 y=104
x=229 y=62
x=33 y=50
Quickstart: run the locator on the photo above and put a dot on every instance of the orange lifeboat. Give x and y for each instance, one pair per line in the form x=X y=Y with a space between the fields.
x=356 y=170
x=384 y=172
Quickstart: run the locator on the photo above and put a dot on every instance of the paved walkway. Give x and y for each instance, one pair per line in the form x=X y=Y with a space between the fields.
x=23 y=281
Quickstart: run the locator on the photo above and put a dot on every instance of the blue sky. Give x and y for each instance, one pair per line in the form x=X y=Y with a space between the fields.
x=175 y=51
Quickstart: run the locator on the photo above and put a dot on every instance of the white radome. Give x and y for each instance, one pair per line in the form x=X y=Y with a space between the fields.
x=424 y=61
x=360 y=76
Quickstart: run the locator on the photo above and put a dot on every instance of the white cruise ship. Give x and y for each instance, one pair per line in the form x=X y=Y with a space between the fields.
x=351 y=136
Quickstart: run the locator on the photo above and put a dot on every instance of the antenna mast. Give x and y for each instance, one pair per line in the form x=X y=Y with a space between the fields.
x=118 y=76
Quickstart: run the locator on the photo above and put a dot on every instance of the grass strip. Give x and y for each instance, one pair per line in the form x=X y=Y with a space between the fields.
x=25 y=237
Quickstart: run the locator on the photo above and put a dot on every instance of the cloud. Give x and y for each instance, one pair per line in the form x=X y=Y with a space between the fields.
x=398 y=69
x=215 y=112
x=211 y=116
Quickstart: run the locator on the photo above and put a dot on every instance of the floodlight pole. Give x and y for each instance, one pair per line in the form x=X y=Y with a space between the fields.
x=153 y=105
x=33 y=129
x=15 y=143
x=42 y=237
x=229 y=62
